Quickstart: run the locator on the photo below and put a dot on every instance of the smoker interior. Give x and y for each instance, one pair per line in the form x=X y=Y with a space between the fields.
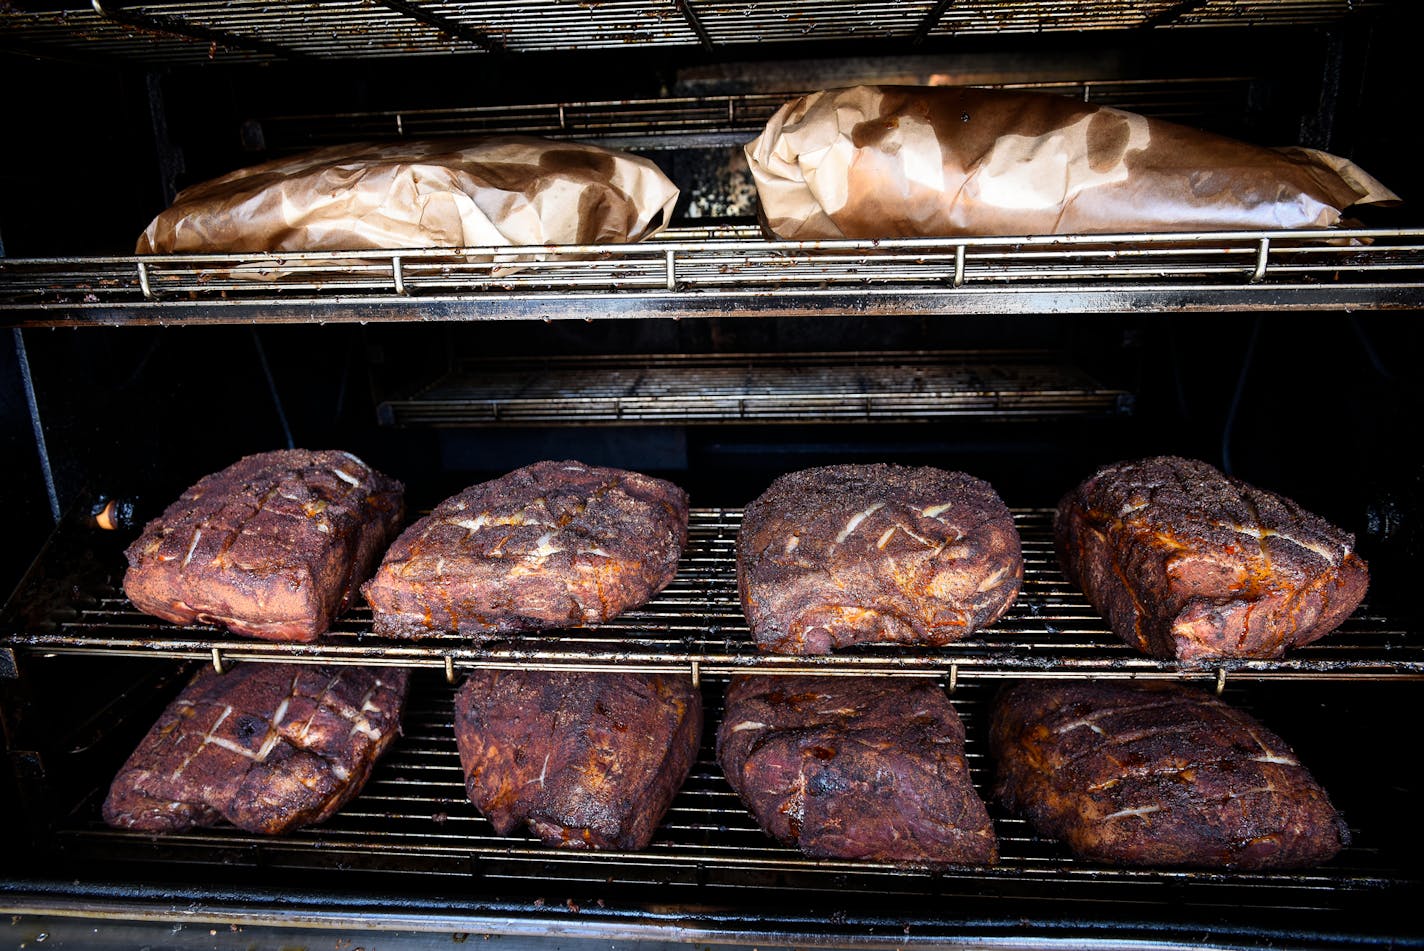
x=716 y=359
x=412 y=839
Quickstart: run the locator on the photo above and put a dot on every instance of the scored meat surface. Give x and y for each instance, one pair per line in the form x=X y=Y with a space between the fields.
x=268 y=747
x=554 y=544
x=855 y=768
x=852 y=554
x=585 y=760
x=1158 y=774
x=274 y=546
x=1191 y=564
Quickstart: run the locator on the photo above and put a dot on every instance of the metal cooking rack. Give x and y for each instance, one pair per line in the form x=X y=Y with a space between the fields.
x=803 y=388
x=197 y=31
x=695 y=626
x=704 y=121
x=1042 y=274
x=414 y=817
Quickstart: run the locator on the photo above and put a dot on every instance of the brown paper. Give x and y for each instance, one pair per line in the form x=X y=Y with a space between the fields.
x=418 y=194
x=910 y=161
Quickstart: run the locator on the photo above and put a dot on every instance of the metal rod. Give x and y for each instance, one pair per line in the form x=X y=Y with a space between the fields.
x=1263 y=256
x=930 y=20
x=397 y=275
x=452 y=28
x=192 y=31
x=22 y=358
x=1173 y=242
x=272 y=388
x=685 y=8
x=143 y=280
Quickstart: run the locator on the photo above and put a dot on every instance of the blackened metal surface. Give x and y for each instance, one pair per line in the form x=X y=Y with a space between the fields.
x=166 y=24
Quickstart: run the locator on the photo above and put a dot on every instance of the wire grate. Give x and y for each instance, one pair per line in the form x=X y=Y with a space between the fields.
x=694 y=625
x=1040 y=16
x=722 y=121
x=755 y=388
x=699 y=273
x=243 y=31
x=413 y=816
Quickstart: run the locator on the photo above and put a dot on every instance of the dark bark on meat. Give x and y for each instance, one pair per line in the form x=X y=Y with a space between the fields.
x=274 y=546
x=268 y=747
x=586 y=761
x=1158 y=774
x=855 y=768
x=1188 y=563
x=555 y=544
x=844 y=555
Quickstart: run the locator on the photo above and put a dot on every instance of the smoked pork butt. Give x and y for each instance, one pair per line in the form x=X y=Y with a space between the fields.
x=1158 y=774
x=268 y=747
x=864 y=768
x=555 y=544
x=854 y=554
x=1188 y=563
x=585 y=760
x=274 y=546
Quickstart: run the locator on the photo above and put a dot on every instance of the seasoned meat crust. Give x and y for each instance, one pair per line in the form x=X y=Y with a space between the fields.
x=856 y=768
x=1191 y=564
x=274 y=546
x=1158 y=774
x=853 y=554
x=555 y=544
x=268 y=747
x=586 y=761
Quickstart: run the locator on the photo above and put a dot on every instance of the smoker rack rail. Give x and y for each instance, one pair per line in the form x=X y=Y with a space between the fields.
x=890 y=386
x=709 y=120
x=413 y=817
x=258 y=31
x=72 y=604
x=1043 y=274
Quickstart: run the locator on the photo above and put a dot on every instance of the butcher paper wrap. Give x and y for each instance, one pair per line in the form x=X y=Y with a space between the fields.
x=907 y=161
x=417 y=194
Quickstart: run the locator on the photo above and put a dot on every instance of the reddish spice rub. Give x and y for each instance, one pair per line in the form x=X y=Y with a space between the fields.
x=1158 y=774
x=585 y=761
x=267 y=747
x=1188 y=563
x=856 y=768
x=852 y=554
x=274 y=546
x=555 y=544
